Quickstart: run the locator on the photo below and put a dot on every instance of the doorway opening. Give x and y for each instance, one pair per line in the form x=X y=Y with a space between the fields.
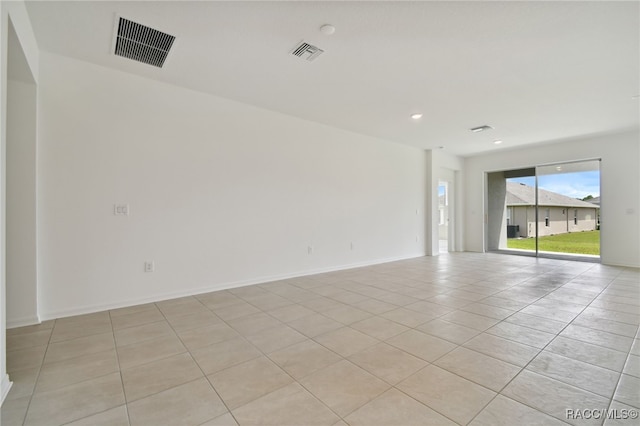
x=550 y=210
x=443 y=217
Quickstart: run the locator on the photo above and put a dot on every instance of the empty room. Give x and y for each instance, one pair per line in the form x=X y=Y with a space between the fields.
x=319 y=213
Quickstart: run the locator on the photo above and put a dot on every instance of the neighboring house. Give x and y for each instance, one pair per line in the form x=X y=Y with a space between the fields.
x=557 y=214
x=596 y=201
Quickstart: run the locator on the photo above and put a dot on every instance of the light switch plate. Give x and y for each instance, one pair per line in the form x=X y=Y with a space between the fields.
x=121 y=209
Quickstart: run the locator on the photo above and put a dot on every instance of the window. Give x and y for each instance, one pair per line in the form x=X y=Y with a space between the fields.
x=546 y=217
x=575 y=216
x=509 y=215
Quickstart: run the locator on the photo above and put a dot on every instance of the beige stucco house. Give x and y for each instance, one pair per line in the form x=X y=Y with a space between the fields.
x=557 y=214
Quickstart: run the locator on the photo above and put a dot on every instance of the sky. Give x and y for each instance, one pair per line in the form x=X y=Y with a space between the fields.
x=574 y=185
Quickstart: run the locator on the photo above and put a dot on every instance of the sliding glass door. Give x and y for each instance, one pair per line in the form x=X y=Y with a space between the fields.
x=550 y=210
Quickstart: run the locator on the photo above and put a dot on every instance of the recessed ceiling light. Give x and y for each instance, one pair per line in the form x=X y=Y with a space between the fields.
x=416 y=116
x=327 y=29
x=497 y=142
x=559 y=168
x=441 y=147
x=480 y=128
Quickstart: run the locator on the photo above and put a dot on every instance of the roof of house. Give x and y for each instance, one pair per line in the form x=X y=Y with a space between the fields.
x=594 y=200
x=519 y=194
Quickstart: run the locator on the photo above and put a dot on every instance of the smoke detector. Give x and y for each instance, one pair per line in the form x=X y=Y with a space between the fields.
x=327 y=29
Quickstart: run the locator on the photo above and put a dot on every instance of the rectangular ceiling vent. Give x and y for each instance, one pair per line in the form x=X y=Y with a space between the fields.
x=142 y=43
x=481 y=128
x=307 y=51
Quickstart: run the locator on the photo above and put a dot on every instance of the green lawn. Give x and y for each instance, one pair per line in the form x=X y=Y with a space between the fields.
x=574 y=242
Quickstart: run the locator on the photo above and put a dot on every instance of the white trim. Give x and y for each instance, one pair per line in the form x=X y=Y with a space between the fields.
x=620 y=264
x=207 y=289
x=23 y=321
x=5 y=388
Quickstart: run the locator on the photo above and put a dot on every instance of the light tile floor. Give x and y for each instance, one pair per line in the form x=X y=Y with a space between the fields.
x=480 y=339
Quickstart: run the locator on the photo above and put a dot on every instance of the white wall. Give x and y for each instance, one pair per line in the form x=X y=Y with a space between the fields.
x=15 y=11
x=21 y=268
x=620 y=187
x=496 y=211
x=220 y=193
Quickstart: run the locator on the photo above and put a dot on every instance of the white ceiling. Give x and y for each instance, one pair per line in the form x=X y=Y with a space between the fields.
x=535 y=71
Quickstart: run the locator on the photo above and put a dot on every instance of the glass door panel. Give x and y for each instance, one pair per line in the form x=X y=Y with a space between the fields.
x=520 y=202
x=568 y=209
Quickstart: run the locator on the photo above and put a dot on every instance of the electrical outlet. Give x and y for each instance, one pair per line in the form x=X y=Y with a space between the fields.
x=310 y=250
x=149 y=266
x=352 y=246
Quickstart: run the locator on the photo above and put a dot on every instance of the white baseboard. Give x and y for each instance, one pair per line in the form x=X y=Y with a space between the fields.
x=623 y=264
x=5 y=387
x=217 y=287
x=21 y=322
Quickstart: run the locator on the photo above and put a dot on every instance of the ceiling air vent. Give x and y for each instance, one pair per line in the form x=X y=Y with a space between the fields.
x=481 y=128
x=142 y=43
x=306 y=51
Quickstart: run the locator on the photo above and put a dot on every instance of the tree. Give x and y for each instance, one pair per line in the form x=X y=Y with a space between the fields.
x=587 y=198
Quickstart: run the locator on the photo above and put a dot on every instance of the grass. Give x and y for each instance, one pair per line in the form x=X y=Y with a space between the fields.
x=587 y=242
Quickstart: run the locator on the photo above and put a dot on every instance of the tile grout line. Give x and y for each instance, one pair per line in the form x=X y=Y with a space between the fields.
x=523 y=367
x=266 y=355
x=33 y=392
x=344 y=285
x=541 y=350
x=197 y=364
x=124 y=391
x=119 y=373
x=328 y=366
x=615 y=389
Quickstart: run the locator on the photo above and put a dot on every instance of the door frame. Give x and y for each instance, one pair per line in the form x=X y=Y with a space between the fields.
x=534 y=253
